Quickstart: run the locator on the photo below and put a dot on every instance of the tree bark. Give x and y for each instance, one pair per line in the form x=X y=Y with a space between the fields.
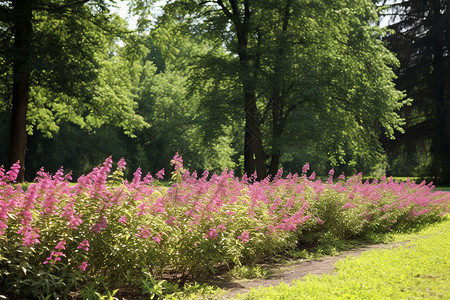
x=254 y=157
x=21 y=83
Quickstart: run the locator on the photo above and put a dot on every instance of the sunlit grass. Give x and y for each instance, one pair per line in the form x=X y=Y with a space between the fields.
x=419 y=269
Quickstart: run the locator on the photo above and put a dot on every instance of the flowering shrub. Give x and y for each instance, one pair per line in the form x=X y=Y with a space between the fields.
x=56 y=236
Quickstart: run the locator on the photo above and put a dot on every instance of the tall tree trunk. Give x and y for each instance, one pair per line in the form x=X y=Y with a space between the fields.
x=254 y=157
x=21 y=83
x=277 y=92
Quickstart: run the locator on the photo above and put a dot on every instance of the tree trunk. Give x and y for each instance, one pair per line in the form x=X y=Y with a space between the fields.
x=21 y=83
x=254 y=157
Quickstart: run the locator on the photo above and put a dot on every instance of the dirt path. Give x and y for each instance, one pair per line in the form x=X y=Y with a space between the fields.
x=288 y=273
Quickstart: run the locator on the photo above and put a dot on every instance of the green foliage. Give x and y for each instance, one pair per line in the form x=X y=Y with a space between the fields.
x=77 y=75
x=23 y=276
x=325 y=73
x=248 y=272
x=177 y=86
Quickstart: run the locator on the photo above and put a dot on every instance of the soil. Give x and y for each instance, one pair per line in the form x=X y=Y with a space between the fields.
x=287 y=273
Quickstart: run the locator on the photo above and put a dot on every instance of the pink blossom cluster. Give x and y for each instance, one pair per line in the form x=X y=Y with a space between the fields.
x=197 y=210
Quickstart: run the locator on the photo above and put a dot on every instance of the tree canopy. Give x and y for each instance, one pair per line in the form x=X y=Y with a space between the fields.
x=291 y=57
x=239 y=84
x=58 y=63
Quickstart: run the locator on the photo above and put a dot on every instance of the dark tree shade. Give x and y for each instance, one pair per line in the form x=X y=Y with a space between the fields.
x=421 y=41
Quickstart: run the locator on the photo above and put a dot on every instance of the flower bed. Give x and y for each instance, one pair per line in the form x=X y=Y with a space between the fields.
x=59 y=238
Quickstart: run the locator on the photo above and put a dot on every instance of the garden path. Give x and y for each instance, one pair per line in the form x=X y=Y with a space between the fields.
x=291 y=272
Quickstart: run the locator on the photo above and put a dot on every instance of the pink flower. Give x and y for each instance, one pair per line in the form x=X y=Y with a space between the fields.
x=61 y=245
x=84 y=245
x=157 y=238
x=83 y=266
x=123 y=219
x=137 y=176
x=244 y=237
x=143 y=233
x=313 y=176
x=212 y=234
x=222 y=227
x=305 y=168
x=14 y=172
x=75 y=221
x=177 y=161
x=54 y=257
x=331 y=172
x=160 y=174
x=121 y=164
x=148 y=178
x=319 y=221
x=349 y=205
x=30 y=236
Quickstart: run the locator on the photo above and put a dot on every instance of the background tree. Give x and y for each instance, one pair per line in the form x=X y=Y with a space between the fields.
x=421 y=41
x=317 y=74
x=293 y=57
x=57 y=51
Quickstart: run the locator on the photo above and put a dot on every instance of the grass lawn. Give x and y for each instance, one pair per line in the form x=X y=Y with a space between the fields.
x=419 y=269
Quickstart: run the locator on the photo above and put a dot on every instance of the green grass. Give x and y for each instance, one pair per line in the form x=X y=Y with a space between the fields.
x=418 y=269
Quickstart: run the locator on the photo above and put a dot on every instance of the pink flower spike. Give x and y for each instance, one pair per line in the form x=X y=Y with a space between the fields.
x=14 y=172
x=123 y=219
x=160 y=174
x=319 y=221
x=177 y=161
x=61 y=245
x=305 y=168
x=84 y=245
x=331 y=173
x=148 y=178
x=222 y=227
x=212 y=233
x=137 y=176
x=83 y=266
x=121 y=164
x=244 y=237
x=157 y=238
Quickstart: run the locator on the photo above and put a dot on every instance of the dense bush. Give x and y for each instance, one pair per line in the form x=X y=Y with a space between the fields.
x=63 y=239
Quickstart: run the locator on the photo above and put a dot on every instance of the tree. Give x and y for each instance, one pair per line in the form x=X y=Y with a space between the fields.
x=58 y=52
x=292 y=56
x=421 y=40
